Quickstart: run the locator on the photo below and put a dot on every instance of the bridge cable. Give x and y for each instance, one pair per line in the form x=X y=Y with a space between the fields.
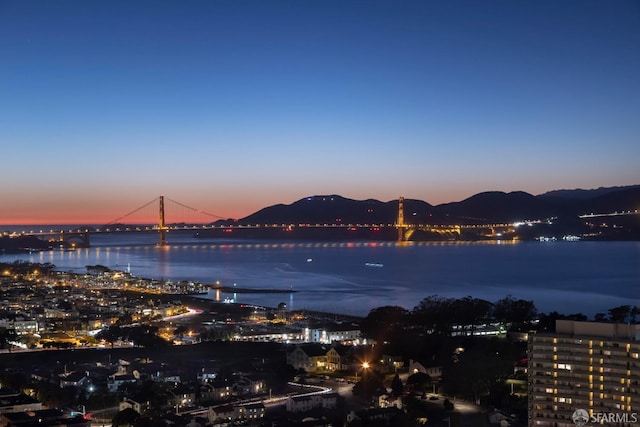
x=196 y=210
x=132 y=212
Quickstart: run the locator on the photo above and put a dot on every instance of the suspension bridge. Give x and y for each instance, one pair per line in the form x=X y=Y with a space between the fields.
x=151 y=218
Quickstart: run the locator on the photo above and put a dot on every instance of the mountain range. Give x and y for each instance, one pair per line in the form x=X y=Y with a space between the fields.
x=484 y=208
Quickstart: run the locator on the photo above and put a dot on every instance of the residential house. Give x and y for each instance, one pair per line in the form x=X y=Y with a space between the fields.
x=309 y=357
x=115 y=381
x=208 y=373
x=42 y=375
x=393 y=363
x=137 y=403
x=169 y=376
x=387 y=401
x=182 y=396
x=339 y=358
x=249 y=385
x=433 y=371
x=77 y=379
x=520 y=367
x=501 y=419
x=297 y=404
x=220 y=414
x=13 y=401
x=218 y=389
x=250 y=411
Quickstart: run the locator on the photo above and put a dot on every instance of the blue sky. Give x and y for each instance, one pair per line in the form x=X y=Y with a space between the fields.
x=230 y=106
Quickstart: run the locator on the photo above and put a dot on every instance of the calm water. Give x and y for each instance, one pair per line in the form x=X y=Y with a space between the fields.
x=565 y=276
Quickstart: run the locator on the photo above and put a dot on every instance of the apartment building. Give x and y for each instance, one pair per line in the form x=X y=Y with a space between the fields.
x=584 y=368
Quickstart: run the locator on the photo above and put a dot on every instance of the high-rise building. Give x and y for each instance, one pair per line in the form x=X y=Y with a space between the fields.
x=588 y=369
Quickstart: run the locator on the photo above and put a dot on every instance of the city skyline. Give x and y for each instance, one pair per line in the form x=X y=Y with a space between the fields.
x=234 y=106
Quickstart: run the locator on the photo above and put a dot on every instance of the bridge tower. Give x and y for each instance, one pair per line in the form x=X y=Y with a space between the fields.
x=400 y=222
x=161 y=226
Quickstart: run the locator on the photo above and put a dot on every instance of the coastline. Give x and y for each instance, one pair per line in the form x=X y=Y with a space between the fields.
x=233 y=289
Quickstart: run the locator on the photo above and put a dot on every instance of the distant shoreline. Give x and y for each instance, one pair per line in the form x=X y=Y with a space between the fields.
x=229 y=289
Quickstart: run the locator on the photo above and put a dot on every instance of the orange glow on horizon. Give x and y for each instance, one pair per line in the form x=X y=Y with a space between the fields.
x=51 y=209
x=74 y=218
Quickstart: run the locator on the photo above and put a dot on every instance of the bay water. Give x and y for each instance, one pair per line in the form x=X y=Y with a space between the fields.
x=355 y=277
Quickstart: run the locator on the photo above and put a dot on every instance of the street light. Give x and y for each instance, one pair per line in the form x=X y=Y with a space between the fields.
x=365 y=365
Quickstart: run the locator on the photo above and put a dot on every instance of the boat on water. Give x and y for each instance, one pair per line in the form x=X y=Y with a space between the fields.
x=373 y=264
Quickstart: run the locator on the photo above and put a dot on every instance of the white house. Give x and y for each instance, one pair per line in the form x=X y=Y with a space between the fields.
x=307 y=403
x=432 y=371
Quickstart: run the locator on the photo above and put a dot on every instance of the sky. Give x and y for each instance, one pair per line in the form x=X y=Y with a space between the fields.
x=232 y=106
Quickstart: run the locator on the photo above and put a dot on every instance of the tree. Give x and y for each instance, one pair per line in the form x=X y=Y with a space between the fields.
x=514 y=311
x=448 y=406
x=383 y=323
x=369 y=385
x=396 y=386
x=620 y=314
x=419 y=381
x=434 y=314
x=12 y=379
x=279 y=374
x=600 y=317
x=110 y=335
x=482 y=363
x=125 y=418
x=469 y=312
x=125 y=319
x=97 y=269
x=145 y=336
x=47 y=393
x=101 y=398
x=547 y=322
x=68 y=396
x=7 y=336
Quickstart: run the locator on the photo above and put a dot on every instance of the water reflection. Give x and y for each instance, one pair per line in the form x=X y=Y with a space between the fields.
x=561 y=276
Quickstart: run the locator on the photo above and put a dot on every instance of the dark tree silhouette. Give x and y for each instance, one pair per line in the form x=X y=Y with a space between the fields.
x=600 y=317
x=383 y=323
x=481 y=364
x=369 y=385
x=419 y=381
x=145 y=336
x=396 y=386
x=6 y=337
x=469 y=312
x=110 y=335
x=13 y=379
x=514 y=311
x=448 y=406
x=434 y=314
x=127 y=417
x=278 y=374
x=97 y=269
x=620 y=314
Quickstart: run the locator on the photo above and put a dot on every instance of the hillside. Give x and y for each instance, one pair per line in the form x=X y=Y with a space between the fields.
x=334 y=209
x=486 y=207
